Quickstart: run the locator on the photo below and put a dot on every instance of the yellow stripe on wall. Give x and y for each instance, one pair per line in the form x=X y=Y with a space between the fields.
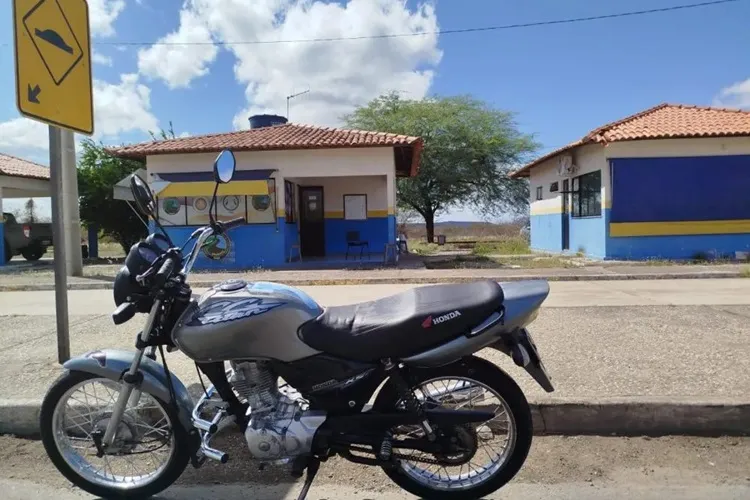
x=623 y=229
x=239 y=188
x=339 y=214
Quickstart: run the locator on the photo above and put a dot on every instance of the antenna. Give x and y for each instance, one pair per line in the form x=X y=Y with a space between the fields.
x=292 y=97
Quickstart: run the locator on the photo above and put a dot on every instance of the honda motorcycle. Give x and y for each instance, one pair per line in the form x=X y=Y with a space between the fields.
x=393 y=383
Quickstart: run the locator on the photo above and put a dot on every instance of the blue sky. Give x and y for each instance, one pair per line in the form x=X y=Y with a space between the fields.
x=561 y=80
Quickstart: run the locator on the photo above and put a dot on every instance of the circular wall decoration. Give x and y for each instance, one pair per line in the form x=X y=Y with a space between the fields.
x=171 y=206
x=231 y=203
x=200 y=204
x=217 y=247
x=261 y=202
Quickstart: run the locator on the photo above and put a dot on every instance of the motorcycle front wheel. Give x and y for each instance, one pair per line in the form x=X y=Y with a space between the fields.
x=491 y=453
x=150 y=449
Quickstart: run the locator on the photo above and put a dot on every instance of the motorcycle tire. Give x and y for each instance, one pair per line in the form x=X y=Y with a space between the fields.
x=486 y=373
x=174 y=468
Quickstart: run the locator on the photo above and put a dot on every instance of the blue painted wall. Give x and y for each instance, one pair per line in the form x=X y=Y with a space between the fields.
x=546 y=232
x=677 y=247
x=256 y=245
x=375 y=230
x=392 y=229
x=587 y=234
x=2 y=241
x=680 y=189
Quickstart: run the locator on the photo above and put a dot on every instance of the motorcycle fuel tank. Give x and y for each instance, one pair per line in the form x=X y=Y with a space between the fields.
x=238 y=320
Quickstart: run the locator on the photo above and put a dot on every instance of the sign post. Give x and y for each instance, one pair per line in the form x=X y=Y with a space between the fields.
x=53 y=85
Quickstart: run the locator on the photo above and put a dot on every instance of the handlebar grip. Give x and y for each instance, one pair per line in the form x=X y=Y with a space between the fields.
x=165 y=272
x=233 y=223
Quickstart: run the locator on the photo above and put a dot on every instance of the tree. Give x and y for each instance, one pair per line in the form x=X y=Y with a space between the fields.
x=469 y=150
x=29 y=211
x=163 y=135
x=98 y=172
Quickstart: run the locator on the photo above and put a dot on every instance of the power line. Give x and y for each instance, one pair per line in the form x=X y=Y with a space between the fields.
x=443 y=32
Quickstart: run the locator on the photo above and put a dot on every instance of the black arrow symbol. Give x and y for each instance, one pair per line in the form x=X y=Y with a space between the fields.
x=34 y=94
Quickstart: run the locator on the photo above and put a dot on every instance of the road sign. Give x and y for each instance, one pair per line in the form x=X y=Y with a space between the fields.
x=53 y=62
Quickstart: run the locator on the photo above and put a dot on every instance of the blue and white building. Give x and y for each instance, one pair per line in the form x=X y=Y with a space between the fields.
x=305 y=191
x=671 y=182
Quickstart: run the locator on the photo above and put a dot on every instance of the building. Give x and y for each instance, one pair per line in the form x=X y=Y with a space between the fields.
x=305 y=191
x=671 y=182
x=19 y=179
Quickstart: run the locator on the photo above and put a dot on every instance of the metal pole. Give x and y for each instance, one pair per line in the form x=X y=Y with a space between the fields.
x=58 y=243
x=72 y=219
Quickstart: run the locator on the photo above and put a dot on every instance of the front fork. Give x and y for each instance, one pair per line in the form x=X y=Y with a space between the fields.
x=131 y=380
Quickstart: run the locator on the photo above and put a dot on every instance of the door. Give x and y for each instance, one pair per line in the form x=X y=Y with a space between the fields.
x=311 y=222
x=566 y=214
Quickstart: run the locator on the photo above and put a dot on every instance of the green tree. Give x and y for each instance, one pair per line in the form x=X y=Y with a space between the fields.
x=163 y=135
x=98 y=172
x=469 y=149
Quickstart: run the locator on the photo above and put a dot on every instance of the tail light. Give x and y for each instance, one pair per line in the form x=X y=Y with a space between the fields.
x=27 y=231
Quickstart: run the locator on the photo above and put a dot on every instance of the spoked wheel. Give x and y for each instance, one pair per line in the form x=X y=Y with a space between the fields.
x=149 y=452
x=483 y=456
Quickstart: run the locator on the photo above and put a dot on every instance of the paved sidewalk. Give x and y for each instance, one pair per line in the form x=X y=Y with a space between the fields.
x=101 y=276
x=632 y=358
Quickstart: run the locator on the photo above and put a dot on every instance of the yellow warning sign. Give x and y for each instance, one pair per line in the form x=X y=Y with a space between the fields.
x=53 y=62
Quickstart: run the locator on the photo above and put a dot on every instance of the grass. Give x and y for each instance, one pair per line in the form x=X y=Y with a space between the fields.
x=486 y=262
x=745 y=272
x=507 y=246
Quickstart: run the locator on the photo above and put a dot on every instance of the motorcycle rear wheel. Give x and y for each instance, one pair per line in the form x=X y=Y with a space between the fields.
x=78 y=470
x=468 y=375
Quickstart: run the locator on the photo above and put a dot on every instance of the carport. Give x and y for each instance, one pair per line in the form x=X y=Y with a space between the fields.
x=20 y=179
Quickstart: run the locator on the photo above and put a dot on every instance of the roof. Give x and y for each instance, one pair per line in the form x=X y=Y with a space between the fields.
x=665 y=121
x=16 y=167
x=277 y=137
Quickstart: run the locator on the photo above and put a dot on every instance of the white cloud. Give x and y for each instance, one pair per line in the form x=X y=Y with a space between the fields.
x=340 y=74
x=178 y=65
x=102 y=16
x=735 y=96
x=118 y=108
x=99 y=58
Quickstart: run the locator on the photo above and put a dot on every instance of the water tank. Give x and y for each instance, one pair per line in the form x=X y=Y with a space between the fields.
x=259 y=121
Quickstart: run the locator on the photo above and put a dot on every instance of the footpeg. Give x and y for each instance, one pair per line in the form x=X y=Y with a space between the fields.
x=386 y=449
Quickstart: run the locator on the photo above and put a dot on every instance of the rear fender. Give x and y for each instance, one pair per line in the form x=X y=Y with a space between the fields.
x=113 y=363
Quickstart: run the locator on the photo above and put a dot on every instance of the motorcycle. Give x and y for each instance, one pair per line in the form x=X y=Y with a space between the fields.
x=393 y=383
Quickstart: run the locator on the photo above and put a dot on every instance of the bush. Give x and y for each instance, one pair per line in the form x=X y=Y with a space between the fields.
x=507 y=246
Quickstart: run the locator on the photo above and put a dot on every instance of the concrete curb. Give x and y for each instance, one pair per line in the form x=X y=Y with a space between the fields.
x=622 y=417
x=198 y=283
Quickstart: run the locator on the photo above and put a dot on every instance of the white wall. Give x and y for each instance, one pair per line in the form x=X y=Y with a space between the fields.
x=710 y=146
x=587 y=158
x=300 y=163
x=334 y=189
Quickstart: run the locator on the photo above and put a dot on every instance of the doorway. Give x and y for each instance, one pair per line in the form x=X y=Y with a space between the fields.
x=311 y=221
x=565 y=214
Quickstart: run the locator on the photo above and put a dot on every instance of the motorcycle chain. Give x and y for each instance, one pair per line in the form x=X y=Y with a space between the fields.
x=401 y=456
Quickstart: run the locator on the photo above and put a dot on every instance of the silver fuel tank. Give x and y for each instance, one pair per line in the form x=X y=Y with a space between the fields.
x=239 y=320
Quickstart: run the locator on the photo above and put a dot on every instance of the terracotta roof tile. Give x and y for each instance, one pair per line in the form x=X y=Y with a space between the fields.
x=16 y=167
x=665 y=121
x=278 y=137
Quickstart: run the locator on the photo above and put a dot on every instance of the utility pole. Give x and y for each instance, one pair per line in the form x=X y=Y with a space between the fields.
x=289 y=97
x=72 y=229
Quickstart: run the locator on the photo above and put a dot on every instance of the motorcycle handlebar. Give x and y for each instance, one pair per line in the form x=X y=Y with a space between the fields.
x=233 y=223
x=165 y=272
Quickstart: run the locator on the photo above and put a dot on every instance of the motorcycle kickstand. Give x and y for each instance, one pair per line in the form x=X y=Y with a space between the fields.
x=312 y=469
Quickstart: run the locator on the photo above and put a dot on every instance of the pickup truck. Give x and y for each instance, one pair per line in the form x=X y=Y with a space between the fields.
x=30 y=240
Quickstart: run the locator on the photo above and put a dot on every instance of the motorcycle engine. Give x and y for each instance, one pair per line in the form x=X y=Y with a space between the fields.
x=280 y=427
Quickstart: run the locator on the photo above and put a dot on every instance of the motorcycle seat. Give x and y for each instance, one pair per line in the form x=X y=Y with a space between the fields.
x=403 y=324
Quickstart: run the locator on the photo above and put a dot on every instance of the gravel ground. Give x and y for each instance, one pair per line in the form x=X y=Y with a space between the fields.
x=599 y=461
x=694 y=352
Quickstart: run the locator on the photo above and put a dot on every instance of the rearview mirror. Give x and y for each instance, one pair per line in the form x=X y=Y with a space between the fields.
x=144 y=198
x=224 y=166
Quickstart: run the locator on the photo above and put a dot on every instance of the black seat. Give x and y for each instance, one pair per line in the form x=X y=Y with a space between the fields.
x=402 y=325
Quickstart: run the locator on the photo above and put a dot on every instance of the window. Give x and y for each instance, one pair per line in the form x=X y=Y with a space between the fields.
x=355 y=206
x=554 y=187
x=587 y=195
x=539 y=193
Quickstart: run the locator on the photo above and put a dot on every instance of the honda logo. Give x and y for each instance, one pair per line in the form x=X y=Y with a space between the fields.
x=429 y=320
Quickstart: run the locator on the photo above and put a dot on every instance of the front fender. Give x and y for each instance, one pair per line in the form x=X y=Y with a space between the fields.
x=113 y=363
